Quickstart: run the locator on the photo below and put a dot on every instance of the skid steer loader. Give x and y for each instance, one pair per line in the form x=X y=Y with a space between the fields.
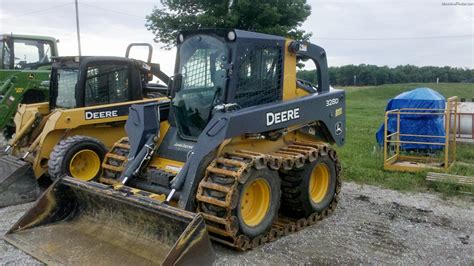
x=70 y=134
x=245 y=149
x=25 y=62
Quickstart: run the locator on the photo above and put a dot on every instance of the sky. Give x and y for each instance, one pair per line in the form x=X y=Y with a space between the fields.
x=380 y=32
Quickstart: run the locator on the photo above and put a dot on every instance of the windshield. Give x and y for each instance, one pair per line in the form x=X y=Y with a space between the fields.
x=66 y=87
x=203 y=65
x=31 y=54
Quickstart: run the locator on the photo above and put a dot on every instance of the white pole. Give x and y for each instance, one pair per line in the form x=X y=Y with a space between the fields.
x=77 y=29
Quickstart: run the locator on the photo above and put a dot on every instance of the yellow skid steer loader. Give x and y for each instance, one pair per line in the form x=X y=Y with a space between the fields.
x=246 y=149
x=70 y=134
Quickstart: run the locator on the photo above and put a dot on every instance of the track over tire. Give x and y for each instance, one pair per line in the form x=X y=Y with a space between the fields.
x=256 y=216
x=309 y=189
x=239 y=197
x=85 y=149
x=219 y=191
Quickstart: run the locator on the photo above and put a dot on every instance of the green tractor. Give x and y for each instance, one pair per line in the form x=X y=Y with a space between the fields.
x=25 y=62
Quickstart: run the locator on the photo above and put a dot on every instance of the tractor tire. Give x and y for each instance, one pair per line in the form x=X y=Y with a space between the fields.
x=8 y=132
x=33 y=96
x=259 y=202
x=77 y=156
x=310 y=189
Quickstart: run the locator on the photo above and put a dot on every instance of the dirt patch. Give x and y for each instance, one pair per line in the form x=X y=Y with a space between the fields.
x=371 y=225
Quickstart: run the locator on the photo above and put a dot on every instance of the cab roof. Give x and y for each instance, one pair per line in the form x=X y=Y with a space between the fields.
x=30 y=37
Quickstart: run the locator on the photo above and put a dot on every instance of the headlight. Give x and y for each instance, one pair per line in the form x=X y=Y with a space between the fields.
x=231 y=35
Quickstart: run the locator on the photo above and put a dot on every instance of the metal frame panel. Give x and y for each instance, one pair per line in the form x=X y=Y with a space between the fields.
x=404 y=163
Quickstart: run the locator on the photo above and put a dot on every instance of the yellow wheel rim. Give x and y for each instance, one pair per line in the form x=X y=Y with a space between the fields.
x=84 y=165
x=255 y=202
x=319 y=182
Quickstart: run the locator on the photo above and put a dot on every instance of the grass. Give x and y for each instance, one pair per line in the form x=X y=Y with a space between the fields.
x=361 y=157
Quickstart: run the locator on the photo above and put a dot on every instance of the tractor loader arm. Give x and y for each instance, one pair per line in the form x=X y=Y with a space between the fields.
x=5 y=85
x=143 y=121
x=156 y=71
x=142 y=136
x=20 y=88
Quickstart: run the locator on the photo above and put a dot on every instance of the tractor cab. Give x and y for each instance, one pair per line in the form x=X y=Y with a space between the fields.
x=24 y=52
x=220 y=69
x=25 y=62
x=89 y=81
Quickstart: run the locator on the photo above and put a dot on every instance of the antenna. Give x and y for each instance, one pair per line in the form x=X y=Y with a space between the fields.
x=77 y=28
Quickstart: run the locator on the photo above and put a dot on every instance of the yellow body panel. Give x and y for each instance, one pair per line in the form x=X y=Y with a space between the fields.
x=63 y=123
x=290 y=90
x=257 y=145
x=163 y=163
x=264 y=145
x=167 y=164
x=76 y=117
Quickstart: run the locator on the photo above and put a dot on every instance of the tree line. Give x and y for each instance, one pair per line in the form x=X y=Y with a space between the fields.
x=284 y=18
x=369 y=75
x=278 y=17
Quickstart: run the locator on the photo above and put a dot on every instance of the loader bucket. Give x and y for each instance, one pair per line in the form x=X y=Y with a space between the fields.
x=75 y=222
x=17 y=182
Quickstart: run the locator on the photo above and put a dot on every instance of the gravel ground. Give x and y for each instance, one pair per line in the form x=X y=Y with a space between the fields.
x=370 y=226
x=10 y=255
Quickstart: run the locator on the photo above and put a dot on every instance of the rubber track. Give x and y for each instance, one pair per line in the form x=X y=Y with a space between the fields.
x=217 y=194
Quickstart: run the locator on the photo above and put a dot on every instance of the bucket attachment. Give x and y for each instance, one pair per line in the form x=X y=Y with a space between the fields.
x=75 y=222
x=17 y=182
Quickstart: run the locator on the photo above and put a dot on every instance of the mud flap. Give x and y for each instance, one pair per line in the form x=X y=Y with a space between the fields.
x=17 y=182
x=75 y=222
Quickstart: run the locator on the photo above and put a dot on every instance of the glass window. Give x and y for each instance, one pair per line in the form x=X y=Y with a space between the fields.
x=31 y=54
x=307 y=74
x=259 y=76
x=203 y=62
x=66 y=79
x=202 y=66
x=107 y=84
x=5 y=54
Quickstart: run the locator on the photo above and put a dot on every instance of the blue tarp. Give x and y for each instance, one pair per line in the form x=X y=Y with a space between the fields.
x=416 y=124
